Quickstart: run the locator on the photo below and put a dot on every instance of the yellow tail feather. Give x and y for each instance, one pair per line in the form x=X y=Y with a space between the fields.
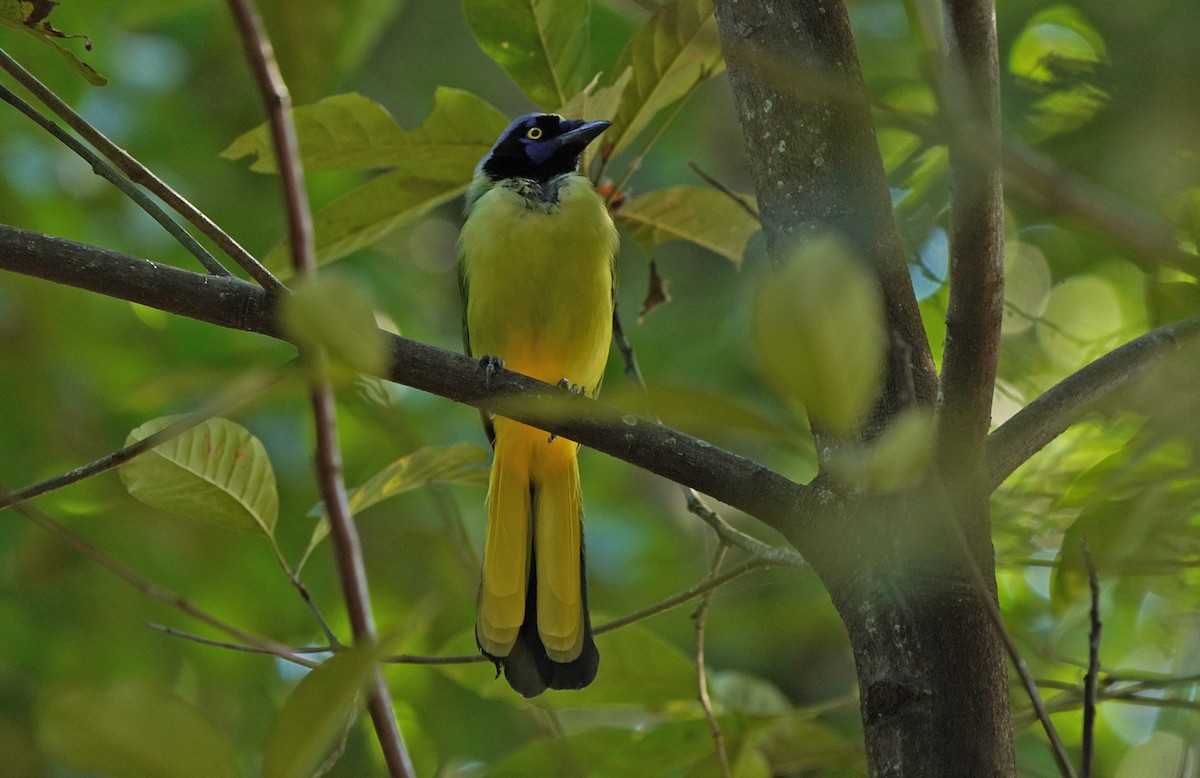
x=506 y=553
x=557 y=557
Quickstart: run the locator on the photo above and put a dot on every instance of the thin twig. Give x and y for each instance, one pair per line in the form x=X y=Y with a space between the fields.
x=110 y=174
x=708 y=584
x=223 y=403
x=344 y=534
x=145 y=585
x=700 y=619
x=140 y=174
x=738 y=199
x=230 y=646
x=1093 y=670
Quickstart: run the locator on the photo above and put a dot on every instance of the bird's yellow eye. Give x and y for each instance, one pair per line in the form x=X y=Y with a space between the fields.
x=534 y=133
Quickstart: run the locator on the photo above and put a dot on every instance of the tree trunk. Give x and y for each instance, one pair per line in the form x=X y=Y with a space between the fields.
x=931 y=667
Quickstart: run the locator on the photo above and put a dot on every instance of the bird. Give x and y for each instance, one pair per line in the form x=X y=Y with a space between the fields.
x=537 y=276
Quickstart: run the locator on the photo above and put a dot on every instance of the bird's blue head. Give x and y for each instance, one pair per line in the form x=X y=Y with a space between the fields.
x=540 y=146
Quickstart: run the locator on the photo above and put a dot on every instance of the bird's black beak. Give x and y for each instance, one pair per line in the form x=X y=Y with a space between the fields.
x=578 y=133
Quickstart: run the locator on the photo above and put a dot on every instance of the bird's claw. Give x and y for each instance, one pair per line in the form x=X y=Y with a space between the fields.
x=490 y=366
x=574 y=389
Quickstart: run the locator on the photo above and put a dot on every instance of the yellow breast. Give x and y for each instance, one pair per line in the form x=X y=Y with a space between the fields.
x=539 y=280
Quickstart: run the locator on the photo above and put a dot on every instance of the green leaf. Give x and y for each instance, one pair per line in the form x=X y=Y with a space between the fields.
x=1055 y=39
x=541 y=44
x=706 y=217
x=596 y=104
x=336 y=313
x=737 y=691
x=31 y=16
x=342 y=132
x=819 y=333
x=676 y=49
x=216 y=471
x=315 y=714
x=797 y=745
x=133 y=729
x=431 y=165
x=460 y=463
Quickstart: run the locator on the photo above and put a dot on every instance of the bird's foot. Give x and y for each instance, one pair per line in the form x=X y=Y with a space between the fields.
x=490 y=366
x=574 y=389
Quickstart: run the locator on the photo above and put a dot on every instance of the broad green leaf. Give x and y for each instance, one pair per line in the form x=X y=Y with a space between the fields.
x=352 y=132
x=315 y=714
x=460 y=463
x=797 y=745
x=342 y=132
x=431 y=165
x=216 y=471
x=31 y=16
x=364 y=215
x=337 y=314
x=706 y=217
x=819 y=333
x=1082 y=319
x=541 y=44
x=673 y=52
x=1055 y=39
x=596 y=104
x=737 y=691
x=133 y=729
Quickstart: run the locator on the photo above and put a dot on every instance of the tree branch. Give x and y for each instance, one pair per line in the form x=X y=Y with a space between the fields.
x=1065 y=403
x=227 y=302
x=813 y=154
x=343 y=532
x=970 y=93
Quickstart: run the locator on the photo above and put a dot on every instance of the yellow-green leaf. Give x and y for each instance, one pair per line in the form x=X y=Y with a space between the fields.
x=342 y=132
x=216 y=471
x=31 y=16
x=364 y=215
x=352 y=132
x=430 y=166
x=675 y=50
x=460 y=463
x=596 y=104
x=706 y=217
x=133 y=729
x=1058 y=37
x=315 y=713
x=819 y=333
x=541 y=44
x=337 y=314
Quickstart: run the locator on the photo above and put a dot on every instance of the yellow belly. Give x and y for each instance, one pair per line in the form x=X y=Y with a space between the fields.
x=540 y=283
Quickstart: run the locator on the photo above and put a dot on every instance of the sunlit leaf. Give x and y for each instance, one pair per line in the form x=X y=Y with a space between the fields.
x=705 y=217
x=541 y=44
x=32 y=17
x=315 y=714
x=133 y=729
x=675 y=50
x=460 y=463
x=1026 y=286
x=819 y=334
x=426 y=167
x=1081 y=320
x=216 y=471
x=1163 y=753
x=596 y=104
x=1054 y=39
x=342 y=132
x=336 y=313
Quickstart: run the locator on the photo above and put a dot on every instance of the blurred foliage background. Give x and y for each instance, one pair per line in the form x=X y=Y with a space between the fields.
x=1107 y=89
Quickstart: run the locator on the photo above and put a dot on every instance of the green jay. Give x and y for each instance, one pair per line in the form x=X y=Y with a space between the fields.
x=537 y=275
